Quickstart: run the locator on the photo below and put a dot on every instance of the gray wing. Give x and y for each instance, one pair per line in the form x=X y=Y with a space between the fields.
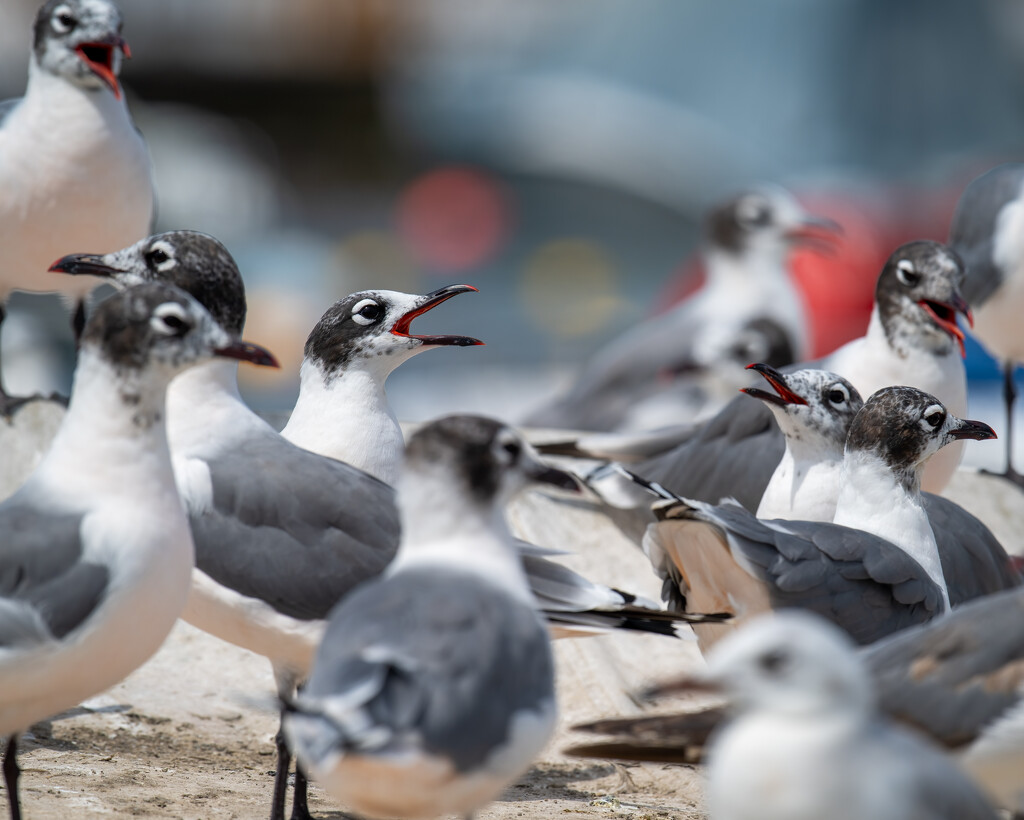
x=427 y=653
x=47 y=589
x=860 y=582
x=6 y=107
x=974 y=563
x=292 y=528
x=974 y=223
x=733 y=455
x=957 y=675
x=914 y=779
x=620 y=372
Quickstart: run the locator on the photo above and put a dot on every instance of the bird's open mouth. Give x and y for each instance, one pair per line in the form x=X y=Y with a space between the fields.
x=778 y=382
x=944 y=315
x=429 y=302
x=99 y=57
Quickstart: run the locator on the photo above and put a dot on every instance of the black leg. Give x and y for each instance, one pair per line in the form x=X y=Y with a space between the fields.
x=284 y=763
x=300 y=804
x=78 y=322
x=11 y=772
x=1009 y=399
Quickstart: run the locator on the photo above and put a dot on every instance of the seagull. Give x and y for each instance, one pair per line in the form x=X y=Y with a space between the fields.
x=433 y=689
x=74 y=171
x=282 y=533
x=342 y=410
x=986 y=225
x=808 y=741
x=958 y=679
x=815 y=409
x=748 y=306
x=95 y=552
x=875 y=570
x=912 y=340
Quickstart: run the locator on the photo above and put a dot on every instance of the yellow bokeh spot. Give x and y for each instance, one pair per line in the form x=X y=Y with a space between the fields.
x=569 y=287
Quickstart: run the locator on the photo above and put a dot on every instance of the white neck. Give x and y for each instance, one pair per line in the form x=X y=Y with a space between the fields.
x=871 y=498
x=440 y=528
x=112 y=440
x=70 y=111
x=348 y=418
x=205 y=412
x=804 y=487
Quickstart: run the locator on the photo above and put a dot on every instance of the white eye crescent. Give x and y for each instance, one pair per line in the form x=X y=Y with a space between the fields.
x=160 y=256
x=170 y=319
x=63 y=19
x=837 y=394
x=366 y=312
x=934 y=416
x=753 y=210
x=906 y=273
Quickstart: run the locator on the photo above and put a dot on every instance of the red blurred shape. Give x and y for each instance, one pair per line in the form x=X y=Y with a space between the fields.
x=453 y=218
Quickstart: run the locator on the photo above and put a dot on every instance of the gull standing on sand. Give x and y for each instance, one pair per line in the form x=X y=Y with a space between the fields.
x=95 y=550
x=433 y=689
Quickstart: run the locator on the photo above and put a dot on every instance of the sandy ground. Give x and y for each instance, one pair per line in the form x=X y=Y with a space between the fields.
x=190 y=733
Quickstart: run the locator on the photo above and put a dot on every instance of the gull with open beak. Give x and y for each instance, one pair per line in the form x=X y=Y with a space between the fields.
x=74 y=171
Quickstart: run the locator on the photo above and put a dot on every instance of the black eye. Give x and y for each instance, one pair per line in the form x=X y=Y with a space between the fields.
x=157 y=256
x=773 y=661
x=67 y=21
x=371 y=312
x=935 y=419
x=513 y=448
x=175 y=323
x=906 y=274
x=836 y=396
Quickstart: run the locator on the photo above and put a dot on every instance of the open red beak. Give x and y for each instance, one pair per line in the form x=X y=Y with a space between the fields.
x=944 y=315
x=778 y=382
x=99 y=57
x=429 y=302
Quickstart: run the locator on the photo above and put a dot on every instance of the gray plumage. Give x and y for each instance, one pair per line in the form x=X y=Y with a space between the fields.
x=958 y=675
x=47 y=589
x=864 y=584
x=437 y=660
x=308 y=528
x=974 y=563
x=973 y=231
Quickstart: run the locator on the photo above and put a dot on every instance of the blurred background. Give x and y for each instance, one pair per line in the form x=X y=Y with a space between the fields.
x=557 y=155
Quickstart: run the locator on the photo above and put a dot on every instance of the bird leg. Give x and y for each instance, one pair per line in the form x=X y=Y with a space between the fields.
x=300 y=805
x=284 y=762
x=78 y=322
x=1009 y=398
x=11 y=773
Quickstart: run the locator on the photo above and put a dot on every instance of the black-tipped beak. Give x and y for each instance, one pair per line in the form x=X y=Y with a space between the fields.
x=248 y=352
x=778 y=382
x=429 y=302
x=977 y=430
x=546 y=474
x=79 y=264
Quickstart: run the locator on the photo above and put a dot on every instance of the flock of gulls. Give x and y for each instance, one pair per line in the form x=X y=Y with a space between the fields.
x=408 y=629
